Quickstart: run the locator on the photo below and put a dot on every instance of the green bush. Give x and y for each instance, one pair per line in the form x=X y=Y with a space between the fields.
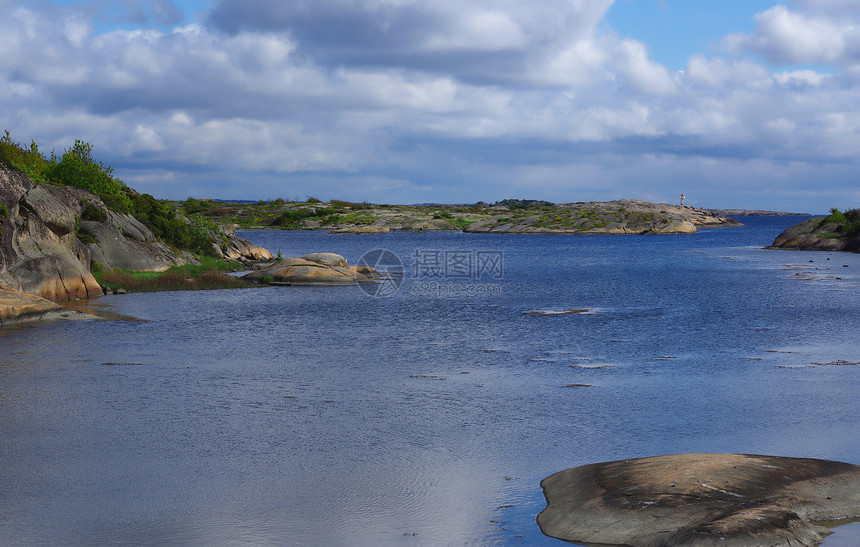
x=4 y=212
x=165 y=222
x=30 y=161
x=192 y=205
x=847 y=222
x=84 y=237
x=291 y=219
x=77 y=168
x=91 y=212
x=836 y=217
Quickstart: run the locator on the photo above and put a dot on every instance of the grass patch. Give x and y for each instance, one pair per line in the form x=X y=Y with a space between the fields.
x=349 y=218
x=210 y=275
x=462 y=222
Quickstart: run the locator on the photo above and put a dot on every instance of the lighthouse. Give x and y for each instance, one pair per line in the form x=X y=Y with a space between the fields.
x=682 y=200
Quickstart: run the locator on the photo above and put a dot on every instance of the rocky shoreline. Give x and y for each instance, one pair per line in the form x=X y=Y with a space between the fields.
x=18 y=307
x=822 y=234
x=52 y=236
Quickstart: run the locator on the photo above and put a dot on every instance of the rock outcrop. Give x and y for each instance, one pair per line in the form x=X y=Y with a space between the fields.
x=39 y=253
x=50 y=236
x=239 y=249
x=320 y=269
x=16 y=307
x=730 y=500
x=122 y=242
x=819 y=234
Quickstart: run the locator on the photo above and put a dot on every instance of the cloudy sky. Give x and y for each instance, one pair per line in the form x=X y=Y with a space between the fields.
x=741 y=103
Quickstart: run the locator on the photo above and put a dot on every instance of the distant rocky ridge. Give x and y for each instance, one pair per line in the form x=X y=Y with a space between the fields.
x=47 y=250
x=837 y=232
x=752 y=212
x=624 y=216
x=507 y=216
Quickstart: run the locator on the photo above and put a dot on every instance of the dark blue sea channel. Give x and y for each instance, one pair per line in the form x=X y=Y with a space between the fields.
x=430 y=414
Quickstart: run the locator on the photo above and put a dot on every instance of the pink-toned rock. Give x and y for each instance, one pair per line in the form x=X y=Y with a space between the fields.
x=239 y=248
x=39 y=253
x=313 y=269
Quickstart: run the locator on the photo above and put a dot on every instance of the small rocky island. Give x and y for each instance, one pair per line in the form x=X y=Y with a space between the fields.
x=838 y=232
x=510 y=216
x=315 y=269
x=730 y=500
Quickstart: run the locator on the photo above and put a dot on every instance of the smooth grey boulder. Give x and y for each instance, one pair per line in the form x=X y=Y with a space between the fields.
x=115 y=250
x=56 y=215
x=321 y=269
x=730 y=500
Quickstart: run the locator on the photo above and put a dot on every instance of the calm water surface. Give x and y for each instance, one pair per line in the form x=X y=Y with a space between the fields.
x=324 y=416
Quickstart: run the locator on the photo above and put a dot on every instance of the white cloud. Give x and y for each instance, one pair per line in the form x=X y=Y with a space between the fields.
x=416 y=101
x=642 y=74
x=783 y=36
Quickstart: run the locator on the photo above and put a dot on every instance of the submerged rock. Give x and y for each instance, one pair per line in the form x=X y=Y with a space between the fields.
x=700 y=500
x=313 y=269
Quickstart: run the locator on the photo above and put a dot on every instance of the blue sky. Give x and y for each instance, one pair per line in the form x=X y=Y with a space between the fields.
x=675 y=29
x=736 y=104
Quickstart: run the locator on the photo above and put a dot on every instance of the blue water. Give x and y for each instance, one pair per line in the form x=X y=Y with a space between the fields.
x=326 y=416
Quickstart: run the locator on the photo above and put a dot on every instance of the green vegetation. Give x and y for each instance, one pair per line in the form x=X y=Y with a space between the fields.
x=351 y=218
x=521 y=203
x=847 y=223
x=192 y=206
x=76 y=167
x=84 y=237
x=209 y=275
x=291 y=219
x=4 y=212
x=29 y=160
x=91 y=212
x=461 y=223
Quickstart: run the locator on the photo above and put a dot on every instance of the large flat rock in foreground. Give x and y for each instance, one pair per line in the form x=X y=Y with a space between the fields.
x=700 y=500
x=18 y=307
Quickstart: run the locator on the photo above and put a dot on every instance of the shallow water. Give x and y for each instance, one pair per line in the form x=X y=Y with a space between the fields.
x=296 y=415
